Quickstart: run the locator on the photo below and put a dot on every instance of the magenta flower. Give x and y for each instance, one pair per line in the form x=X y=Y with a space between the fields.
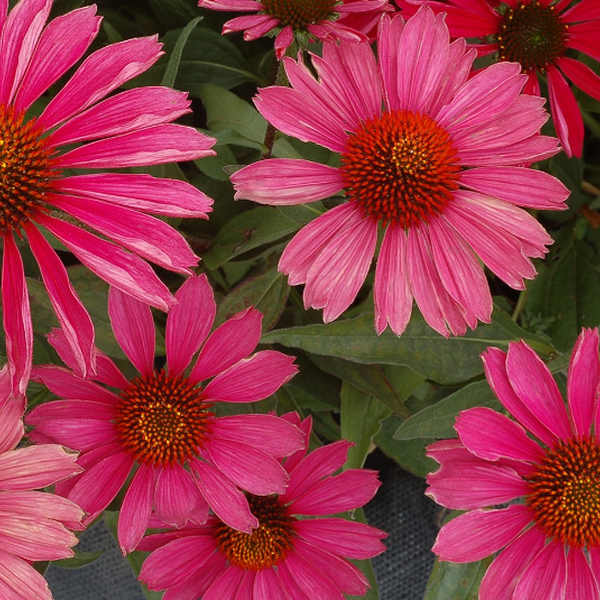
x=286 y=557
x=129 y=129
x=546 y=466
x=438 y=170
x=34 y=525
x=350 y=20
x=160 y=424
x=538 y=35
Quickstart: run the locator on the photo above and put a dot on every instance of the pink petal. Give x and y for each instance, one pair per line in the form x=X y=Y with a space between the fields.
x=584 y=37
x=229 y=343
x=313 y=582
x=20 y=35
x=565 y=112
x=544 y=192
x=227 y=586
x=391 y=293
x=545 y=577
x=136 y=509
x=249 y=468
x=121 y=269
x=131 y=110
x=11 y=412
x=232 y=5
x=583 y=381
x=267 y=585
x=159 y=196
x=225 y=499
x=70 y=409
x=342 y=537
x=189 y=322
x=20 y=581
x=534 y=384
x=346 y=491
x=491 y=436
x=99 y=74
x=581 y=75
x=286 y=181
x=72 y=315
x=581 y=11
x=252 y=379
x=289 y=583
x=581 y=582
x=479 y=533
x=283 y=41
x=60 y=46
x=133 y=327
x=270 y=433
x=151 y=146
x=16 y=317
x=504 y=573
x=144 y=235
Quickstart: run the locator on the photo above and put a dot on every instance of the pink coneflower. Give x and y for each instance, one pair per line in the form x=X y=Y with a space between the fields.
x=34 y=525
x=161 y=423
x=537 y=34
x=350 y=20
x=546 y=466
x=129 y=129
x=287 y=557
x=438 y=171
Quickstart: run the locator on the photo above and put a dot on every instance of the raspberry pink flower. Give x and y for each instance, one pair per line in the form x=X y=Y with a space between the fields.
x=34 y=525
x=79 y=130
x=538 y=35
x=160 y=425
x=439 y=171
x=350 y=20
x=545 y=464
x=287 y=557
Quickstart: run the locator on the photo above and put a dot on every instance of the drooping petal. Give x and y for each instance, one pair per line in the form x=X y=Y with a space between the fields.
x=136 y=508
x=546 y=575
x=581 y=582
x=20 y=581
x=581 y=75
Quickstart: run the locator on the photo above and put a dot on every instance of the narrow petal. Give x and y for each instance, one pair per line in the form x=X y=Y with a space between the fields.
x=74 y=319
x=16 y=317
x=151 y=146
x=136 y=508
x=504 y=573
x=189 y=322
x=566 y=113
x=581 y=11
x=20 y=581
x=392 y=294
x=56 y=52
x=121 y=269
x=583 y=381
x=545 y=577
x=159 y=196
x=131 y=110
x=227 y=586
x=313 y=582
x=581 y=582
x=11 y=423
x=581 y=75
x=283 y=41
x=229 y=343
x=267 y=585
x=133 y=326
x=479 y=533
x=252 y=379
x=286 y=181
x=99 y=74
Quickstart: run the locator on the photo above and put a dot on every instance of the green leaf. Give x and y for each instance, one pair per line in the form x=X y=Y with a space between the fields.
x=361 y=417
x=456 y=581
x=247 y=231
x=170 y=73
x=446 y=361
x=267 y=292
x=225 y=111
x=172 y=14
x=79 y=560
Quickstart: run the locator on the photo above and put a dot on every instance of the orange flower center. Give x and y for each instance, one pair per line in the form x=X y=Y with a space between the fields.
x=162 y=420
x=565 y=493
x=532 y=35
x=400 y=167
x=299 y=13
x=26 y=170
x=267 y=545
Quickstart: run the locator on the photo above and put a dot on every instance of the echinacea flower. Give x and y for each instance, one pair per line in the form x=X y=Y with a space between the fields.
x=34 y=525
x=439 y=170
x=350 y=20
x=545 y=464
x=160 y=424
x=79 y=130
x=539 y=35
x=288 y=557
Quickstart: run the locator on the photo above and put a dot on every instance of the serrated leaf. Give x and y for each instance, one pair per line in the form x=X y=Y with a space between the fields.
x=168 y=78
x=446 y=361
x=247 y=231
x=456 y=581
x=361 y=417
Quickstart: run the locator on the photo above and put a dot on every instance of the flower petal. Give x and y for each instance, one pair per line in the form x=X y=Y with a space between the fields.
x=136 y=509
x=546 y=575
